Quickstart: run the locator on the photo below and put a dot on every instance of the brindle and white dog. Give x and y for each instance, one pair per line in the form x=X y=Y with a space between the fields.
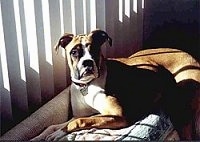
x=114 y=93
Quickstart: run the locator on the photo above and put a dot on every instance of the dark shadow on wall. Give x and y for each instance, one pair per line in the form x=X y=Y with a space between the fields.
x=126 y=34
x=12 y=111
x=6 y=112
x=174 y=24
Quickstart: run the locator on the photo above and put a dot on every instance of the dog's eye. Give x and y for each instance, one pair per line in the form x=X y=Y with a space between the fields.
x=75 y=53
x=87 y=44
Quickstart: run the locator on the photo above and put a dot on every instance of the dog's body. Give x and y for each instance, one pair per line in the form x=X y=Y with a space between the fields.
x=123 y=90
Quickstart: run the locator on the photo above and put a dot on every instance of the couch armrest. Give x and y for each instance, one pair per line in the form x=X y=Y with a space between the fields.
x=53 y=112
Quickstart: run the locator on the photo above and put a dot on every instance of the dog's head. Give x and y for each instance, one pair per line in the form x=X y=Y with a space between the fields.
x=84 y=54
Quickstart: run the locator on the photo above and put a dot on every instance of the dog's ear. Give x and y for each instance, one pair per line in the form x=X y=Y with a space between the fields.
x=99 y=37
x=64 y=41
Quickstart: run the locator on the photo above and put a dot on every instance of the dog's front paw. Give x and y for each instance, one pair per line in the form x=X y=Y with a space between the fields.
x=56 y=135
x=38 y=138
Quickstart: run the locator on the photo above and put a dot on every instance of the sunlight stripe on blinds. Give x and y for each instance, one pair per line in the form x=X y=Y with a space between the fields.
x=19 y=40
x=135 y=6
x=31 y=34
x=143 y=4
x=127 y=8
x=93 y=14
x=121 y=10
x=73 y=16
x=47 y=31
x=4 y=66
x=84 y=17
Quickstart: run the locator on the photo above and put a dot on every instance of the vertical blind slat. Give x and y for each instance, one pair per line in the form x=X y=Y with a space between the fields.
x=100 y=14
x=87 y=2
x=78 y=5
x=59 y=66
x=33 y=78
x=5 y=98
x=93 y=17
x=44 y=50
x=140 y=22
x=67 y=14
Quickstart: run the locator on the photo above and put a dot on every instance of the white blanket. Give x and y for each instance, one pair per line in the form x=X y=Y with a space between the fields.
x=153 y=127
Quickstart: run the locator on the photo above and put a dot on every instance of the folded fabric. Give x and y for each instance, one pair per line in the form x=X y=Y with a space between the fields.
x=155 y=126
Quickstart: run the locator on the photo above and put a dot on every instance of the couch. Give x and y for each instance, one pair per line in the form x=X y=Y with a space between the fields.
x=57 y=111
x=53 y=112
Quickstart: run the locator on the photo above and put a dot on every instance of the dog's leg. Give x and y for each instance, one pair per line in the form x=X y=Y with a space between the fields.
x=50 y=130
x=111 y=117
x=98 y=121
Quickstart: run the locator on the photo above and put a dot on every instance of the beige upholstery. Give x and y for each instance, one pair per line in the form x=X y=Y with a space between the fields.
x=53 y=112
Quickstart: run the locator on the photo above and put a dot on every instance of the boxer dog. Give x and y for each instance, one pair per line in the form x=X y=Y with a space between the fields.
x=114 y=93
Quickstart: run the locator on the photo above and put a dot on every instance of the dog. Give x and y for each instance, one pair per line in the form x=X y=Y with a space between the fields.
x=115 y=92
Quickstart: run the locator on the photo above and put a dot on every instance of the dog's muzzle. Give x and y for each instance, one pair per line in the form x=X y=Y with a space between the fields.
x=88 y=68
x=85 y=72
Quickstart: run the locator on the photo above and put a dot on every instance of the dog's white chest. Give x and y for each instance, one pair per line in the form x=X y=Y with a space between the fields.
x=95 y=97
x=79 y=106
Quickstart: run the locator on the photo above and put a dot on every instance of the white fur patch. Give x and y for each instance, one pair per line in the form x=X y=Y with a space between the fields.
x=86 y=56
x=95 y=97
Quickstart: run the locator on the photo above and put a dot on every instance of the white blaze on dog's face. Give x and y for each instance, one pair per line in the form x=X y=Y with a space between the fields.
x=84 y=54
x=83 y=65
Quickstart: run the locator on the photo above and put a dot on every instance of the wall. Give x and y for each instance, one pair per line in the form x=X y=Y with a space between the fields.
x=173 y=23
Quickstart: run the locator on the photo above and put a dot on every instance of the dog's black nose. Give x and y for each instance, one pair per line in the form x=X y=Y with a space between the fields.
x=88 y=63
